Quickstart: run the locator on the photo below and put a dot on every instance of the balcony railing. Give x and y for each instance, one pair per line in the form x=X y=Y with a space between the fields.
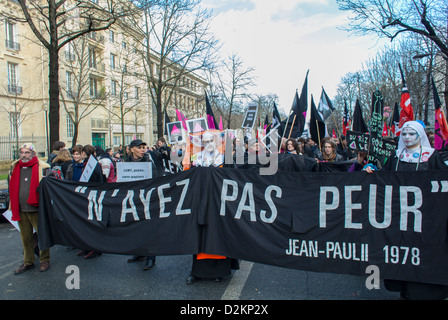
x=14 y=89
x=12 y=45
x=70 y=56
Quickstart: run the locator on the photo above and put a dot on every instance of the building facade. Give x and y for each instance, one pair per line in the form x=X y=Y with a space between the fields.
x=104 y=99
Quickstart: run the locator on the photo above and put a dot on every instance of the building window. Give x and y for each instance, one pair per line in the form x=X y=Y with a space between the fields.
x=69 y=77
x=11 y=36
x=92 y=58
x=113 y=87
x=13 y=79
x=70 y=127
x=111 y=36
x=93 y=87
x=117 y=140
x=136 y=93
x=112 y=61
x=70 y=52
x=14 y=118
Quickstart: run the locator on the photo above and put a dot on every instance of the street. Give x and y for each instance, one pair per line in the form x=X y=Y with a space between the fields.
x=110 y=277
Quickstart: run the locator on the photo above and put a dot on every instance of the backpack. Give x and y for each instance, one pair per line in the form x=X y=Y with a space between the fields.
x=56 y=171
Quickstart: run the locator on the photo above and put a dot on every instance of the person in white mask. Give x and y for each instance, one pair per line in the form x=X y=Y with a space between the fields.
x=414 y=153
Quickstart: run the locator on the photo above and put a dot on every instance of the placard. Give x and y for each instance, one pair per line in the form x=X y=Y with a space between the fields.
x=133 y=171
x=197 y=125
x=88 y=169
x=251 y=114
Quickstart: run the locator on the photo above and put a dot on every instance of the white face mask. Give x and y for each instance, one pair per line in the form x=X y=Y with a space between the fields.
x=410 y=137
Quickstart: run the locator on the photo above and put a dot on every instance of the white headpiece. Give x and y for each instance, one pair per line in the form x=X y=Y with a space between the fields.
x=426 y=150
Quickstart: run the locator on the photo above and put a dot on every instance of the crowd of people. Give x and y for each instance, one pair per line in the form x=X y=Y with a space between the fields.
x=414 y=153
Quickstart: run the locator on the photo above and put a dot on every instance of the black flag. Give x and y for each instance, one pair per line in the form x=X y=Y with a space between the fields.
x=297 y=116
x=325 y=107
x=210 y=117
x=359 y=124
x=394 y=122
x=317 y=125
x=167 y=120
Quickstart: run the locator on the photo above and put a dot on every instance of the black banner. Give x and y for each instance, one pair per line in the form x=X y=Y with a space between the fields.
x=317 y=221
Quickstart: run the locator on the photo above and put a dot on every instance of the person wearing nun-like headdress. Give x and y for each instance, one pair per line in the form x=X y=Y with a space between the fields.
x=414 y=153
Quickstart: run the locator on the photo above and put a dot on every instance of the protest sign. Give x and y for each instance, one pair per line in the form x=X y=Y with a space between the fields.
x=133 y=171
x=197 y=125
x=174 y=130
x=251 y=114
x=88 y=169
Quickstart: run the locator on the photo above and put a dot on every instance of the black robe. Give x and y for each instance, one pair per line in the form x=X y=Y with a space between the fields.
x=213 y=268
x=408 y=289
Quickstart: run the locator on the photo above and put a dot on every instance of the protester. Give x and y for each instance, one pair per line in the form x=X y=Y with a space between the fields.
x=208 y=266
x=107 y=164
x=253 y=146
x=311 y=149
x=301 y=146
x=61 y=164
x=164 y=149
x=24 y=180
x=361 y=161
x=138 y=152
x=96 y=176
x=328 y=152
x=414 y=153
x=117 y=157
x=292 y=146
x=121 y=152
x=75 y=171
x=237 y=147
x=344 y=150
x=58 y=145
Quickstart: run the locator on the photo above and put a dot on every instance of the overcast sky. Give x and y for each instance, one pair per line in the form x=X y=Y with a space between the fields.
x=282 y=39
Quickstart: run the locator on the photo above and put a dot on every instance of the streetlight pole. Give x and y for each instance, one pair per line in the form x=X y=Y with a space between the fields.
x=45 y=108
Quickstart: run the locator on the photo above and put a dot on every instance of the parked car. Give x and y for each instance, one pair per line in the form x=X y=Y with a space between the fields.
x=4 y=202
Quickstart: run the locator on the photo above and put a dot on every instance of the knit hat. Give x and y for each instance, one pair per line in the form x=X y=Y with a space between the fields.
x=29 y=146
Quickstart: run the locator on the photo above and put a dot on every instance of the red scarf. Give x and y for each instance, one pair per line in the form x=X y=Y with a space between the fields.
x=14 y=185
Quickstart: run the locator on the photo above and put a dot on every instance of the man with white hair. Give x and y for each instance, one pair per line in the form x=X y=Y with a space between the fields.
x=24 y=180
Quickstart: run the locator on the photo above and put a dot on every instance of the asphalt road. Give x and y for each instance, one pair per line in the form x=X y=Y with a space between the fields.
x=110 y=277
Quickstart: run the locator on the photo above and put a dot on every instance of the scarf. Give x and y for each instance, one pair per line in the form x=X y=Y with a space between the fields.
x=14 y=185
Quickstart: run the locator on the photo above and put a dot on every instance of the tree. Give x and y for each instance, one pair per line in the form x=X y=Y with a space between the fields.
x=127 y=82
x=76 y=96
x=178 y=43
x=390 y=18
x=49 y=21
x=17 y=114
x=232 y=81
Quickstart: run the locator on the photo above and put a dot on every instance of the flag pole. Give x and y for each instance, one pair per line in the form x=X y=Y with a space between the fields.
x=293 y=121
x=284 y=131
x=318 y=135
x=336 y=124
